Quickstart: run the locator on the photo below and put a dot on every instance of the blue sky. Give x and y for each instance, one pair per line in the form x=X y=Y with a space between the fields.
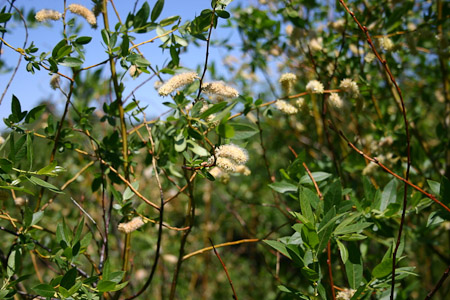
x=30 y=89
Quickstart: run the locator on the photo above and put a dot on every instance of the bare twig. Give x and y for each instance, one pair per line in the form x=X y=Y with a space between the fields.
x=439 y=284
x=225 y=269
x=208 y=40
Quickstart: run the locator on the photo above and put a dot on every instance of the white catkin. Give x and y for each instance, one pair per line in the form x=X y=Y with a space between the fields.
x=220 y=89
x=285 y=107
x=83 y=11
x=47 y=14
x=287 y=81
x=315 y=86
x=55 y=81
x=131 y=226
x=336 y=100
x=176 y=82
x=349 y=86
x=345 y=294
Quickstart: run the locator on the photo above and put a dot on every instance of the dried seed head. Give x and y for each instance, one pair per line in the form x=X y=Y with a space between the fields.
x=47 y=14
x=83 y=11
x=20 y=201
x=176 y=82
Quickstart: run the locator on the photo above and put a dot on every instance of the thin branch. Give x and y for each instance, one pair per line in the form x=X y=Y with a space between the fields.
x=387 y=170
x=152 y=39
x=439 y=284
x=130 y=185
x=244 y=241
x=225 y=269
x=20 y=56
x=208 y=40
x=408 y=142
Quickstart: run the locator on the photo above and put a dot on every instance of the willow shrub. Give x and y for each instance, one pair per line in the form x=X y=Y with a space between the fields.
x=316 y=162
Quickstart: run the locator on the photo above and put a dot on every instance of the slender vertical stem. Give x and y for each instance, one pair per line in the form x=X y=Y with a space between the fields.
x=225 y=268
x=189 y=222
x=123 y=131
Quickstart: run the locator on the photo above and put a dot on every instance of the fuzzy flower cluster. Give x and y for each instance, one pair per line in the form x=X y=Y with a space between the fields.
x=47 y=14
x=176 y=82
x=336 y=101
x=315 y=86
x=83 y=11
x=287 y=80
x=345 y=294
x=55 y=81
x=131 y=226
x=229 y=157
x=386 y=43
x=369 y=57
x=300 y=102
x=134 y=71
x=285 y=107
x=316 y=45
x=349 y=86
x=220 y=89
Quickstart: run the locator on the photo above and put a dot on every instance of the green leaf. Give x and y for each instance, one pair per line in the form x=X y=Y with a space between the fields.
x=283 y=187
x=305 y=197
x=213 y=109
x=37 y=216
x=310 y=237
x=243 y=131
x=342 y=250
x=4 y=17
x=383 y=269
x=354 y=266
x=128 y=192
x=83 y=40
x=194 y=147
x=106 y=286
x=389 y=194
x=353 y=228
x=6 y=165
x=180 y=143
x=225 y=130
x=333 y=196
x=280 y=247
x=169 y=20
x=30 y=151
x=223 y=14
x=435 y=186
x=324 y=237
x=16 y=110
x=44 y=290
x=310 y=274
x=34 y=114
x=157 y=9
x=71 y=62
x=318 y=177
x=69 y=278
x=45 y=184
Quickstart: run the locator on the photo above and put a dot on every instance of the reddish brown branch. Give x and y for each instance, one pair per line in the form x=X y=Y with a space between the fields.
x=387 y=170
x=225 y=268
x=439 y=284
x=314 y=181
